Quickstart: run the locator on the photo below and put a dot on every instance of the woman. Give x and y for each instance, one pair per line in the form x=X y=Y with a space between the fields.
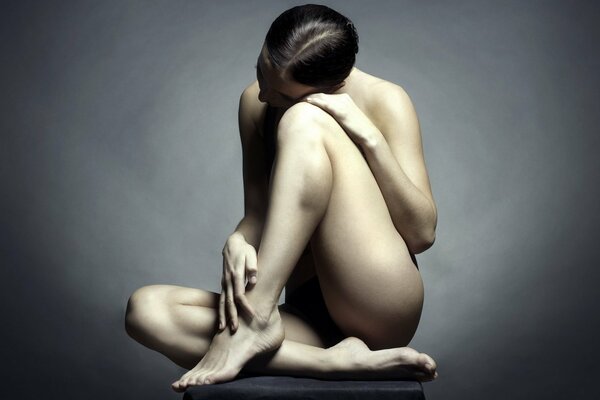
x=337 y=201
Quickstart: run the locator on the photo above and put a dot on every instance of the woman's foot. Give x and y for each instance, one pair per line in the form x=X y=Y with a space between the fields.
x=352 y=359
x=228 y=353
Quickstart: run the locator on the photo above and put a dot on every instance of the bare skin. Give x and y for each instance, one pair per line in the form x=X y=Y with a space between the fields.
x=319 y=190
x=179 y=322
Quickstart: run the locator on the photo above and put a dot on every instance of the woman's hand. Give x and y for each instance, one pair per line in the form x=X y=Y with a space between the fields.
x=343 y=109
x=239 y=264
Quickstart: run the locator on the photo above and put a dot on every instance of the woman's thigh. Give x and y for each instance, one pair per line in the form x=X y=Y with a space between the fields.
x=371 y=286
x=182 y=321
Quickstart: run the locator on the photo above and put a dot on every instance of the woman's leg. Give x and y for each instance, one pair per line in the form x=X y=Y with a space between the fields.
x=300 y=191
x=179 y=323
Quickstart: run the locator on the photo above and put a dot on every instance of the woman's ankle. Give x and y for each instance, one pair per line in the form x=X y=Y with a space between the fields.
x=265 y=314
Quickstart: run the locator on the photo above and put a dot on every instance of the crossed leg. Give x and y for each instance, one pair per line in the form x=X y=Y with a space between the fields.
x=302 y=184
x=179 y=322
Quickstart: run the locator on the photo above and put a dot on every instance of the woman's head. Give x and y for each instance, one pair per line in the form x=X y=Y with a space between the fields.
x=311 y=45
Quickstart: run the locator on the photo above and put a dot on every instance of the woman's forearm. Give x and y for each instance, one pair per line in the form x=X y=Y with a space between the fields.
x=250 y=229
x=412 y=212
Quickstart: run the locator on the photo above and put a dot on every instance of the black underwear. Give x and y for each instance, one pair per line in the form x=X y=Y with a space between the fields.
x=307 y=303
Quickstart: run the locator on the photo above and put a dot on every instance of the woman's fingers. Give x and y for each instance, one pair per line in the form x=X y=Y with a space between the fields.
x=230 y=304
x=350 y=117
x=239 y=289
x=251 y=268
x=239 y=264
x=336 y=105
x=322 y=100
x=222 y=299
x=250 y=273
x=239 y=294
x=222 y=320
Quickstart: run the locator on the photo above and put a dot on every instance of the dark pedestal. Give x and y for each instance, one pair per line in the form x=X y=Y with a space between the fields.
x=292 y=388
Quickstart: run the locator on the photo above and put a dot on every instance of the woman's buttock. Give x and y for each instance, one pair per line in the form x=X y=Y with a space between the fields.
x=363 y=262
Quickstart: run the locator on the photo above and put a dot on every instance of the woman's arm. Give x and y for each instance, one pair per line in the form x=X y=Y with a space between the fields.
x=395 y=155
x=397 y=162
x=239 y=252
x=254 y=171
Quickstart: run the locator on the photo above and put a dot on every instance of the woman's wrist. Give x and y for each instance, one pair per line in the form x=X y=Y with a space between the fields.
x=236 y=236
x=372 y=140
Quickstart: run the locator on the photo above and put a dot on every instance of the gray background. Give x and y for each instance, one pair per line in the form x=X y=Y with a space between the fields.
x=120 y=166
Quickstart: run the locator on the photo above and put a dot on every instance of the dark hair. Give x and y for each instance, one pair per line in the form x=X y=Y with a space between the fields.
x=313 y=44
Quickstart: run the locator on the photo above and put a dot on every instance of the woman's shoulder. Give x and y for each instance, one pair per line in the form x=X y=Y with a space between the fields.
x=378 y=96
x=386 y=103
x=251 y=109
x=376 y=90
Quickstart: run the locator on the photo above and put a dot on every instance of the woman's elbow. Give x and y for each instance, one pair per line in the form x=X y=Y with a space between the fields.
x=422 y=242
x=426 y=235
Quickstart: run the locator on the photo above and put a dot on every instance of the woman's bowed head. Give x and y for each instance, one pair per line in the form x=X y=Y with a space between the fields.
x=308 y=49
x=337 y=222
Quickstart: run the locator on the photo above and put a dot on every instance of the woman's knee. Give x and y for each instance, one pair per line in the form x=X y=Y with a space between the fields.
x=302 y=167
x=304 y=124
x=144 y=307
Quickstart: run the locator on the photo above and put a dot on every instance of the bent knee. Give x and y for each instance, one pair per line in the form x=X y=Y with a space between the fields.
x=304 y=122
x=144 y=307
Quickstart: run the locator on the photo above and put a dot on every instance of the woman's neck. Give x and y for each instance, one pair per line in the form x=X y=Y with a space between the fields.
x=349 y=82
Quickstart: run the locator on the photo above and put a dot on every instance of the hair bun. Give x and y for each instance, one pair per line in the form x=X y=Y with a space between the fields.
x=352 y=29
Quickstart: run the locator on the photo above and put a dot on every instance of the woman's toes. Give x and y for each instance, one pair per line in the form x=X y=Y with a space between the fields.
x=199 y=380
x=186 y=375
x=429 y=367
x=427 y=362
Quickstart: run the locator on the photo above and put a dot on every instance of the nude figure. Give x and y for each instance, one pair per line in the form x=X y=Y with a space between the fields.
x=347 y=200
